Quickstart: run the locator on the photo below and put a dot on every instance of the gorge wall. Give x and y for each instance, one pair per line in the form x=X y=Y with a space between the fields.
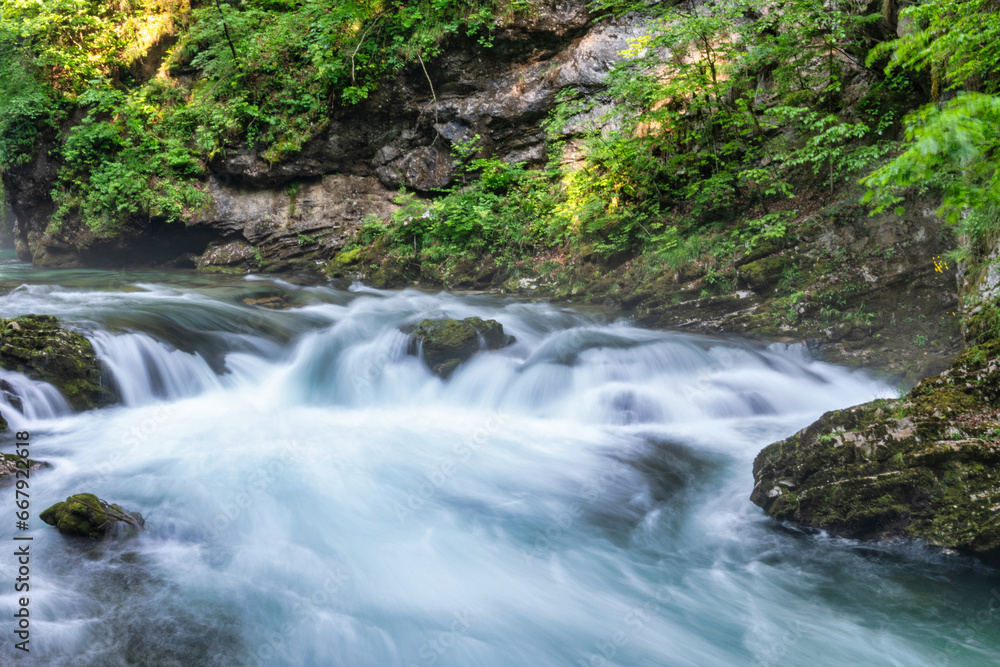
x=297 y=211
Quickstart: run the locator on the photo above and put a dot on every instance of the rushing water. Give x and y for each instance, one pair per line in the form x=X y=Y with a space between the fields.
x=314 y=496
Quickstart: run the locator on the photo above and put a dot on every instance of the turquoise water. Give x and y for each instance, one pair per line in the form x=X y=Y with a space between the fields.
x=315 y=496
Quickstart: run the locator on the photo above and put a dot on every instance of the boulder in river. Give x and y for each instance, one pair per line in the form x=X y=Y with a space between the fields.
x=924 y=467
x=40 y=348
x=86 y=515
x=447 y=343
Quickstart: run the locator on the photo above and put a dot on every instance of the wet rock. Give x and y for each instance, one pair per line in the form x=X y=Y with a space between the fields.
x=40 y=348
x=9 y=464
x=424 y=169
x=863 y=289
x=925 y=467
x=448 y=343
x=288 y=227
x=86 y=515
x=281 y=302
x=229 y=257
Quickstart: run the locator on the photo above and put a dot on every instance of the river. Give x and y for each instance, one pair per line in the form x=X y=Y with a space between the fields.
x=314 y=496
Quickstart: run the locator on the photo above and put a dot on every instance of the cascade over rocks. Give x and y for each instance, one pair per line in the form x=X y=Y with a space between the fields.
x=448 y=343
x=86 y=515
x=40 y=348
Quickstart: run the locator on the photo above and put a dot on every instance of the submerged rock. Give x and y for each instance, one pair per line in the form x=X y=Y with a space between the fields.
x=448 y=343
x=280 y=302
x=924 y=467
x=40 y=348
x=86 y=515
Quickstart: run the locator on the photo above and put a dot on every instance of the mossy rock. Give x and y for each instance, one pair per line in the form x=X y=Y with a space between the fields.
x=40 y=348
x=466 y=273
x=347 y=257
x=9 y=463
x=983 y=323
x=448 y=343
x=763 y=274
x=925 y=467
x=376 y=264
x=86 y=515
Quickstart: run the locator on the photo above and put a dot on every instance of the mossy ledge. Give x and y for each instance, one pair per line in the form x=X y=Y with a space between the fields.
x=86 y=515
x=924 y=467
x=42 y=349
x=448 y=343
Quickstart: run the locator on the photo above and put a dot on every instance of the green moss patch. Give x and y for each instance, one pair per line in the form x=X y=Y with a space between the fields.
x=924 y=467
x=40 y=348
x=448 y=343
x=86 y=515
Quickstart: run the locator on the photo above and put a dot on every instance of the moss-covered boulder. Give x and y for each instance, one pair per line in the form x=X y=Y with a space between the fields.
x=86 y=515
x=448 y=343
x=38 y=347
x=925 y=467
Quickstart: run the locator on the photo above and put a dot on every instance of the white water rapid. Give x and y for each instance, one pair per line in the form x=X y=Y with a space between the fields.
x=316 y=497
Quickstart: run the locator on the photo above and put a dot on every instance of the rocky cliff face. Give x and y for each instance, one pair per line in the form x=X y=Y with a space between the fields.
x=289 y=213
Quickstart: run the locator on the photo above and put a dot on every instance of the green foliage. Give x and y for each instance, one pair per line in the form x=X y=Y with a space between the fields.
x=270 y=73
x=717 y=117
x=691 y=132
x=952 y=148
x=829 y=151
x=951 y=144
x=500 y=213
x=24 y=103
x=75 y=42
x=958 y=40
x=771 y=227
x=293 y=59
x=132 y=163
